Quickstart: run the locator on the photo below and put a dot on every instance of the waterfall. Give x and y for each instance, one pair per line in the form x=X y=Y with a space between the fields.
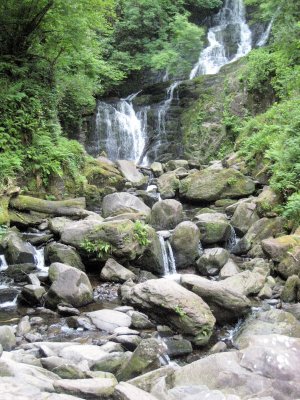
x=121 y=131
x=230 y=23
x=266 y=34
x=3 y=263
x=168 y=257
x=232 y=240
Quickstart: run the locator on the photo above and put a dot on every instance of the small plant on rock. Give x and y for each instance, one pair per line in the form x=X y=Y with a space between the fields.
x=180 y=311
x=140 y=233
x=98 y=248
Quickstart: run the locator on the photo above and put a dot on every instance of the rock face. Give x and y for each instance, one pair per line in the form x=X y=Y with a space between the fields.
x=119 y=203
x=227 y=183
x=68 y=285
x=131 y=173
x=17 y=251
x=226 y=304
x=214 y=227
x=58 y=252
x=264 y=369
x=115 y=272
x=168 y=185
x=166 y=214
x=185 y=310
x=185 y=244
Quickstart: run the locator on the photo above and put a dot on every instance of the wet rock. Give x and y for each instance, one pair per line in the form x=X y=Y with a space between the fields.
x=140 y=320
x=19 y=272
x=33 y=294
x=8 y=294
x=186 y=311
x=185 y=244
x=268 y=323
x=68 y=285
x=214 y=258
x=214 y=227
x=115 y=272
x=244 y=217
x=144 y=358
x=118 y=203
x=86 y=388
x=168 y=185
x=17 y=251
x=109 y=320
x=166 y=214
x=131 y=173
x=227 y=304
x=67 y=310
x=228 y=183
x=151 y=259
x=291 y=289
x=58 y=252
x=111 y=362
x=7 y=337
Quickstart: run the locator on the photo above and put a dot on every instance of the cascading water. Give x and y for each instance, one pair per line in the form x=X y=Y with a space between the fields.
x=232 y=240
x=229 y=39
x=168 y=257
x=266 y=34
x=121 y=131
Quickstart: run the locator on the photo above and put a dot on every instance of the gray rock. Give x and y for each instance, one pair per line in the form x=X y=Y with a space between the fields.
x=58 y=252
x=174 y=164
x=214 y=227
x=229 y=269
x=109 y=320
x=185 y=244
x=19 y=272
x=214 y=258
x=186 y=311
x=68 y=285
x=246 y=282
x=86 y=388
x=17 y=251
x=115 y=272
x=23 y=327
x=225 y=303
x=140 y=320
x=157 y=169
x=85 y=352
x=178 y=347
x=290 y=290
x=168 y=185
x=131 y=173
x=126 y=391
x=33 y=294
x=7 y=337
x=166 y=214
x=112 y=362
x=244 y=217
x=118 y=203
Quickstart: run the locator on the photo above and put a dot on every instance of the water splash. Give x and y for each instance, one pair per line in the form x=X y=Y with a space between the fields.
x=230 y=21
x=40 y=259
x=3 y=263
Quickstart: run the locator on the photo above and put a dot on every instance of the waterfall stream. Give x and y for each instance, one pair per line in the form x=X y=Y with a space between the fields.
x=168 y=257
x=230 y=23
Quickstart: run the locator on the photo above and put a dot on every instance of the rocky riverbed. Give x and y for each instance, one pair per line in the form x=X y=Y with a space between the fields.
x=185 y=286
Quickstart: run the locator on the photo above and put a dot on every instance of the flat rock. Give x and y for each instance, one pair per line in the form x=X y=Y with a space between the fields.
x=109 y=320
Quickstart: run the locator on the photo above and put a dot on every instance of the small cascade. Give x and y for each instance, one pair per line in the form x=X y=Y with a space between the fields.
x=120 y=130
x=40 y=260
x=232 y=240
x=229 y=39
x=3 y=263
x=266 y=34
x=168 y=257
x=200 y=249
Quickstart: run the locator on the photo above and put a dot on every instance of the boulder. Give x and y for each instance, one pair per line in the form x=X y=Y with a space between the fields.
x=267 y=201
x=291 y=289
x=244 y=217
x=109 y=320
x=20 y=272
x=229 y=269
x=68 y=285
x=131 y=173
x=226 y=303
x=119 y=203
x=145 y=358
x=246 y=282
x=98 y=388
x=112 y=362
x=214 y=227
x=174 y=164
x=115 y=272
x=156 y=169
x=185 y=244
x=227 y=183
x=58 y=252
x=33 y=294
x=168 y=185
x=211 y=261
x=126 y=391
x=265 y=369
x=58 y=224
x=7 y=338
x=17 y=251
x=186 y=311
x=166 y=214
x=268 y=323
x=140 y=320
x=178 y=347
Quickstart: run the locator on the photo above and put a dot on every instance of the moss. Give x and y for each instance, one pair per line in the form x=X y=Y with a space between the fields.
x=4 y=215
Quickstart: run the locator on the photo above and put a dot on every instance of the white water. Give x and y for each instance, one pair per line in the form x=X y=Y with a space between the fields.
x=40 y=259
x=121 y=131
x=265 y=36
x=232 y=240
x=3 y=263
x=230 y=21
x=168 y=257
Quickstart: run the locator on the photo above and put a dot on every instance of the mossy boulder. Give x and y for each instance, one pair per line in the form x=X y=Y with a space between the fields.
x=168 y=185
x=166 y=214
x=4 y=215
x=59 y=252
x=267 y=201
x=210 y=185
x=291 y=289
x=213 y=227
x=172 y=165
x=119 y=203
x=244 y=217
x=185 y=242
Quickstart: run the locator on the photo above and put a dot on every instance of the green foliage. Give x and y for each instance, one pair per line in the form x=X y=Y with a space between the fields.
x=141 y=233
x=98 y=248
x=292 y=208
x=180 y=311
